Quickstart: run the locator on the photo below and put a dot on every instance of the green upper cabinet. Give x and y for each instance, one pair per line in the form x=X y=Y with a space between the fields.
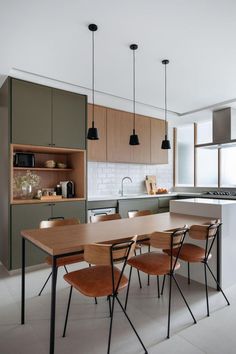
x=69 y=119
x=31 y=113
x=48 y=117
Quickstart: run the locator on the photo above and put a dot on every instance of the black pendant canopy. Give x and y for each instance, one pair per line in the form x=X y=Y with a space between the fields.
x=134 y=140
x=165 y=143
x=93 y=132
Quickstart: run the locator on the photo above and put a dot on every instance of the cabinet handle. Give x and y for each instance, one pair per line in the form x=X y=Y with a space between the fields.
x=51 y=204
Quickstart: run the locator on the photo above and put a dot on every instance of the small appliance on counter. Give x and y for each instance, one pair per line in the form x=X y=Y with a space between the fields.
x=24 y=159
x=68 y=189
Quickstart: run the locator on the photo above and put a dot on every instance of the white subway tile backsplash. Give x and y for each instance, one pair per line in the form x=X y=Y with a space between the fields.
x=104 y=178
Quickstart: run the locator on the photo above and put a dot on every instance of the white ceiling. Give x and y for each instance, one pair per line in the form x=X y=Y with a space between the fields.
x=50 y=38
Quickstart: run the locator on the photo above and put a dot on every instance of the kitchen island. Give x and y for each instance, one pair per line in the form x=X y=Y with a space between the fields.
x=223 y=262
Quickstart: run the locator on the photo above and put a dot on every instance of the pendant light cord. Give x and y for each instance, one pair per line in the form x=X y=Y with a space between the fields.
x=165 y=103
x=93 y=55
x=134 y=93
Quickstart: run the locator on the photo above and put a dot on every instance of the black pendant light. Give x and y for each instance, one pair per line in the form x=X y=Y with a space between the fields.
x=133 y=140
x=165 y=143
x=93 y=132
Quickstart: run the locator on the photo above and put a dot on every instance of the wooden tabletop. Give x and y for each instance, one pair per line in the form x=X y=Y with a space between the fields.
x=66 y=239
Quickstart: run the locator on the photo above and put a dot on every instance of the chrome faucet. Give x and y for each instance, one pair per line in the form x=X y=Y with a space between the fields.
x=122 y=184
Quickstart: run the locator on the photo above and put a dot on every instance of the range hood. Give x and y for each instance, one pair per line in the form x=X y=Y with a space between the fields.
x=223 y=129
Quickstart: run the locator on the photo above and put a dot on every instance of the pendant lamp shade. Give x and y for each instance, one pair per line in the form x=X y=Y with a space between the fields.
x=166 y=142
x=93 y=132
x=133 y=139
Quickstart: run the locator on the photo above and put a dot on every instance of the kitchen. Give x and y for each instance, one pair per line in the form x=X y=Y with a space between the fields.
x=104 y=122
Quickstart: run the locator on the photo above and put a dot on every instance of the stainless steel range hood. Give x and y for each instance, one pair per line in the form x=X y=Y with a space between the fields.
x=223 y=129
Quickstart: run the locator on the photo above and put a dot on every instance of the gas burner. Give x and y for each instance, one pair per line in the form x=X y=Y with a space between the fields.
x=218 y=193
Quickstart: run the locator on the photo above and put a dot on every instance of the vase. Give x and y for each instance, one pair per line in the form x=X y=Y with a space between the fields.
x=27 y=191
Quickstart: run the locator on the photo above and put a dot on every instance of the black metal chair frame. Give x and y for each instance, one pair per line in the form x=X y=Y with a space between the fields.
x=171 y=275
x=114 y=296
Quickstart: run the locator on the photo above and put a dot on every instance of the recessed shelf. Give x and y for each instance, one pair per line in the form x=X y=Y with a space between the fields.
x=37 y=201
x=41 y=169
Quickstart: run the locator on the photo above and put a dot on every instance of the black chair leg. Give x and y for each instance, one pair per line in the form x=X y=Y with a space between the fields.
x=111 y=322
x=67 y=312
x=65 y=269
x=45 y=284
x=181 y=293
x=158 y=287
x=131 y=324
x=163 y=284
x=127 y=292
x=219 y=287
x=148 y=282
x=188 y=273
x=139 y=279
x=206 y=289
x=169 y=307
x=95 y=300
x=109 y=300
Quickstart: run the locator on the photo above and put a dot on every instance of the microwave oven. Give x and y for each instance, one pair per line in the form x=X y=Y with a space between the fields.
x=24 y=159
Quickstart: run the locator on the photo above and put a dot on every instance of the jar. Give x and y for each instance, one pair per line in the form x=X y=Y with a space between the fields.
x=58 y=189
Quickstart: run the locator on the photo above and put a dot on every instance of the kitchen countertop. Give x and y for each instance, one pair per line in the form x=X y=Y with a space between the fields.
x=171 y=194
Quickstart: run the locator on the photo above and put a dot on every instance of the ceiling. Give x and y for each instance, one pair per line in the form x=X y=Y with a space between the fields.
x=51 y=38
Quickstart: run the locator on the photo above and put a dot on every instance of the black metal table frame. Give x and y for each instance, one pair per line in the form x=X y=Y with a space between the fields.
x=53 y=290
x=54 y=282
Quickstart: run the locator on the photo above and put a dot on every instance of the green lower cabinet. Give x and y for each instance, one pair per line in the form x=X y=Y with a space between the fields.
x=125 y=205
x=70 y=210
x=27 y=216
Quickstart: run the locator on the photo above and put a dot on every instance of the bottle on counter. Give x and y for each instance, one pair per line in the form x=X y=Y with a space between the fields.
x=58 y=189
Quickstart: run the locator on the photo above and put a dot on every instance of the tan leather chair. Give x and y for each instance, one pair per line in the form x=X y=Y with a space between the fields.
x=103 y=278
x=192 y=253
x=108 y=217
x=156 y=263
x=62 y=261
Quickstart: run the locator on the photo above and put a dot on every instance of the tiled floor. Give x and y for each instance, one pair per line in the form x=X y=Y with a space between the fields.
x=88 y=323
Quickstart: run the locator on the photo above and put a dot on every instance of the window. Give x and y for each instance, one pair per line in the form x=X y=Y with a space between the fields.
x=206 y=167
x=204 y=132
x=185 y=155
x=228 y=167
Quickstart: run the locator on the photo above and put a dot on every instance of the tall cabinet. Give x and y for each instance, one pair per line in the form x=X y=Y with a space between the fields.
x=51 y=124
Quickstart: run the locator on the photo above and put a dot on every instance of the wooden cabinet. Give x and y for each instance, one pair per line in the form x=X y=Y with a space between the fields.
x=68 y=119
x=115 y=127
x=158 y=156
x=29 y=217
x=31 y=113
x=119 y=128
x=48 y=117
x=142 y=152
x=97 y=149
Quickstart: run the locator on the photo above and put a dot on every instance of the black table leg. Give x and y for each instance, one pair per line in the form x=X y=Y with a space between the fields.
x=53 y=306
x=23 y=281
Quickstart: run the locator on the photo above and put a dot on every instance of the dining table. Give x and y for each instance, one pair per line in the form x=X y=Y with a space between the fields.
x=69 y=240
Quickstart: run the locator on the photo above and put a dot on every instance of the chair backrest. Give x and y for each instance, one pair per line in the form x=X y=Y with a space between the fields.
x=168 y=239
x=135 y=213
x=104 y=254
x=58 y=222
x=98 y=218
x=205 y=231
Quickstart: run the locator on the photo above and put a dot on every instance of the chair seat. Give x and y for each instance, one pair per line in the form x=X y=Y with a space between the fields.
x=66 y=260
x=152 y=263
x=95 y=281
x=190 y=253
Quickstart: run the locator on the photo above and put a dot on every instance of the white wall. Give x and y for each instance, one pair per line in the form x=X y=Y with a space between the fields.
x=104 y=178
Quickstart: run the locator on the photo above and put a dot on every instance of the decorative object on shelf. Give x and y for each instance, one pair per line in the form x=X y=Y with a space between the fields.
x=134 y=140
x=93 y=132
x=165 y=143
x=24 y=185
x=50 y=164
x=61 y=165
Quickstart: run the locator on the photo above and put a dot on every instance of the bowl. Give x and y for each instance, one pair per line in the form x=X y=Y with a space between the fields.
x=50 y=164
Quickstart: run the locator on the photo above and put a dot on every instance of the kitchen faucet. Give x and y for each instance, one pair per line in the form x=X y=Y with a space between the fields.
x=122 y=184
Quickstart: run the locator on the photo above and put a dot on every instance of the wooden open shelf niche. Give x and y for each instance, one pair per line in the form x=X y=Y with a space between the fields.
x=49 y=177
